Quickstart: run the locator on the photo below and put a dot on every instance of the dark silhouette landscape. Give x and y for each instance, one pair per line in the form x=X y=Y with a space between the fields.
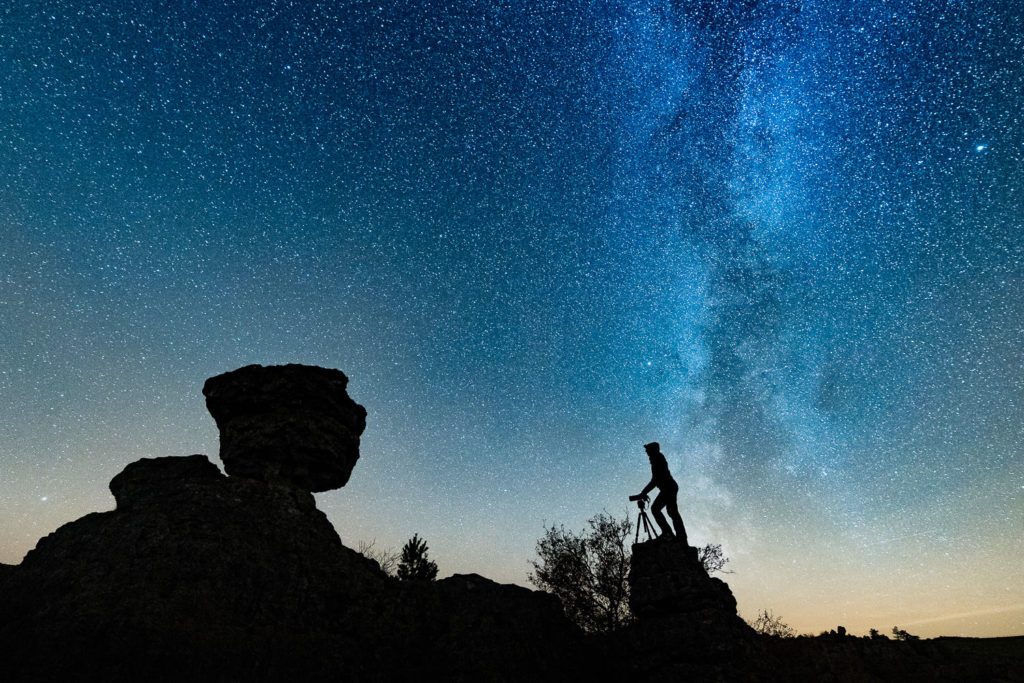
x=198 y=575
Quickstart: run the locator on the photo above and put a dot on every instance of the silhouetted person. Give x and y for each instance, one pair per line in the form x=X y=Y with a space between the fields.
x=667 y=487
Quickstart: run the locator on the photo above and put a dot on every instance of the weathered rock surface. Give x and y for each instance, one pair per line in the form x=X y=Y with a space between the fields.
x=667 y=580
x=160 y=481
x=201 y=576
x=194 y=576
x=291 y=424
x=686 y=621
x=198 y=576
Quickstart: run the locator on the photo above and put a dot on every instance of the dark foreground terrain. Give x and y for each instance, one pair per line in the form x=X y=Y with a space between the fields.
x=201 y=576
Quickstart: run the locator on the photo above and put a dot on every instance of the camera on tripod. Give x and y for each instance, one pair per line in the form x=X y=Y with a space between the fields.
x=643 y=521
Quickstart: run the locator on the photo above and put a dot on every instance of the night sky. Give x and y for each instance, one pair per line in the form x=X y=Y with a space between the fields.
x=784 y=238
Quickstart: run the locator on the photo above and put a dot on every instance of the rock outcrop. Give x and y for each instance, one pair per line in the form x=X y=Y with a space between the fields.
x=195 y=576
x=686 y=621
x=291 y=424
x=200 y=576
x=667 y=581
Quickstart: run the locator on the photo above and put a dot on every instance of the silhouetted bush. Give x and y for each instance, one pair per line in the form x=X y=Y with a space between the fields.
x=385 y=557
x=589 y=571
x=712 y=558
x=769 y=624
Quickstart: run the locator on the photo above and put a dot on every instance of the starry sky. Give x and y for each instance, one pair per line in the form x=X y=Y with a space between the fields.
x=785 y=238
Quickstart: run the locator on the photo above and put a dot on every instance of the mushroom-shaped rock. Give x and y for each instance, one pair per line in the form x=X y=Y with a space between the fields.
x=289 y=424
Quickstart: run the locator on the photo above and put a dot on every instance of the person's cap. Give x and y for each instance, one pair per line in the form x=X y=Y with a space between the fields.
x=653 y=446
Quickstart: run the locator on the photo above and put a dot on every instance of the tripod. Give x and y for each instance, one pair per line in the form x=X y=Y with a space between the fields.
x=644 y=521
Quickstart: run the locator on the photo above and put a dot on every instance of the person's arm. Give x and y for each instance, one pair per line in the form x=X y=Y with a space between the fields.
x=648 y=488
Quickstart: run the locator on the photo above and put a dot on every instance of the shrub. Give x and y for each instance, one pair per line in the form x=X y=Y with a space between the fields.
x=589 y=571
x=769 y=624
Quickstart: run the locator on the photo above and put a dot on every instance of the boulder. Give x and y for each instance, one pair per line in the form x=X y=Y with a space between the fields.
x=469 y=628
x=667 y=579
x=288 y=424
x=155 y=481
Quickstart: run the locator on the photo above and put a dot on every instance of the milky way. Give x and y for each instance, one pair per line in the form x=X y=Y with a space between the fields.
x=782 y=238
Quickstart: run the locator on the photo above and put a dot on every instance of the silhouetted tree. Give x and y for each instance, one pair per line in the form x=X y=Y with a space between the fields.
x=589 y=571
x=769 y=624
x=385 y=557
x=875 y=635
x=414 y=563
x=900 y=634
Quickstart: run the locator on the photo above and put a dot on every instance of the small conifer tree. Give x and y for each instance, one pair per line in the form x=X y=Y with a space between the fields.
x=414 y=564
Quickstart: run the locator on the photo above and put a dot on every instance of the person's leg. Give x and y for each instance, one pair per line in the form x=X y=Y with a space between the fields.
x=677 y=520
x=656 y=508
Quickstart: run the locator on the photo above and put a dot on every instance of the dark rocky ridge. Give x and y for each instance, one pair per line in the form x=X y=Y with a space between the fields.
x=201 y=576
x=198 y=576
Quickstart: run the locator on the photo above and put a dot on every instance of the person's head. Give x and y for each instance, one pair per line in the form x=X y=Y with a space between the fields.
x=652 y=448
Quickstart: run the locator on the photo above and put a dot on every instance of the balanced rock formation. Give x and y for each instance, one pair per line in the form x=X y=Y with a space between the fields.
x=288 y=424
x=200 y=576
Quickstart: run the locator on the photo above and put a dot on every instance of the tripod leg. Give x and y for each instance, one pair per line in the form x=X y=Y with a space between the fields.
x=649 y=528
